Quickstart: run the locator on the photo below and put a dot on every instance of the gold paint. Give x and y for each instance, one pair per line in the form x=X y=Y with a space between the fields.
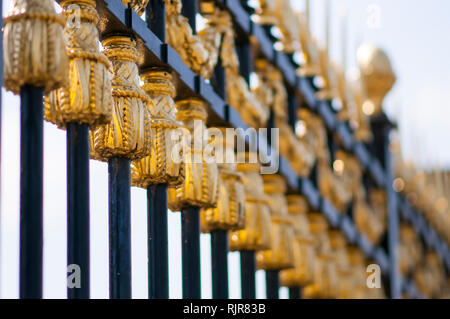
x=329 y=91
x=129 y=133
x=229 y=213
x=280 y=255
x=303 y=247
x=160 y=167
x=198 y=52
x=200 y=187
x=137 y=5
x=33 y=46
x=377 y=74
x=256 y=234
x=324 y=282
x=87 y=99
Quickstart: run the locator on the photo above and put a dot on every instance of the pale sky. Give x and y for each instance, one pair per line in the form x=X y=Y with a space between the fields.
x=413 y=32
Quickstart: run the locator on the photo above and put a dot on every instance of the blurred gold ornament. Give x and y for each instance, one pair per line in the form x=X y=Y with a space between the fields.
x=332 y=188
x=162 y=166
x=266 y=12
x=229 y=213
x=87 y=99
x=200 y=55
x=280 y=255
x=248 y=103
x=358 y=270
x=137 y=5
x=200 y=187
x=324 y=283
x=410 y=249
x=338 y=243
x=33 y=46
x=256 y=234
x=361 y=124
x=377 y=75
x=129 y=132
x=303 y=247
x=295 y=150
x=273 y=80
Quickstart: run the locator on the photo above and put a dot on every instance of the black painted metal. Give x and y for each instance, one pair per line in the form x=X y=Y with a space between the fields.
x=78 y=205
x=119 y=229
x=190 y=228
x=219 y=262
x=295 y=293
x=155 y=13
x=248 y=269
x=31 y=191
x=158 y=255
x=189 y=10
x=272 y=284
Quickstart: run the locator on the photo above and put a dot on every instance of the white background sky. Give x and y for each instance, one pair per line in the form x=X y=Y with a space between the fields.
x=413 y=32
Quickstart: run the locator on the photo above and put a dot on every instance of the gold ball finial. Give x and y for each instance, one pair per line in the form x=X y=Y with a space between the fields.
x=376 y=73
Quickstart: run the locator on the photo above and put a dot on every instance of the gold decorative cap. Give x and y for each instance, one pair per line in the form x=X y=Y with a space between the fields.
x=297 y=204
x=377 y=74
x=317 y=223
x=274 y=183
x=337 y=239
x=191 y=108
x=137 y=5
x=120 y=47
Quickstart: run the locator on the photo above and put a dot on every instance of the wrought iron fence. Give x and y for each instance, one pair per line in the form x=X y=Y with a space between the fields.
x=113 y=125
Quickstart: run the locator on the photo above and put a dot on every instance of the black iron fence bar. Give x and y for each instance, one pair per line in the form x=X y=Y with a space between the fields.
x=78 y=205
x=190 y=251
x=158 y=254
x=155 y=15
x=247 y=258
x=248 y=269
x=31 y=191
x=119 y=228
x=272 y=284
x=219 y=264
x=295 y=293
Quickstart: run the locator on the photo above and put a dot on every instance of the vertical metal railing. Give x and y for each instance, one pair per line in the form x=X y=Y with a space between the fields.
x=158 y=255
x=78 y=205
x=119 y=228
x=31 y=191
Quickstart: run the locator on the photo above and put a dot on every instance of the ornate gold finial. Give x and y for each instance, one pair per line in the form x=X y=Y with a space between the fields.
x=137 y=5
x=361 y=123
x=358 y=269
x=161 y=166
x=324 y=275
x=199 y=52
x=280 y=255
x=377 y=75
x=128 y=134
x=338 y=243
x=33 y=46
x=256 y=234
x=87 y=99
x=304 y=255
x=200 y=186
x=239 y=95
x=229 y=213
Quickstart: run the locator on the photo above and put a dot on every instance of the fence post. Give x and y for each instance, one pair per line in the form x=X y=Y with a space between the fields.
x=31 y=191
